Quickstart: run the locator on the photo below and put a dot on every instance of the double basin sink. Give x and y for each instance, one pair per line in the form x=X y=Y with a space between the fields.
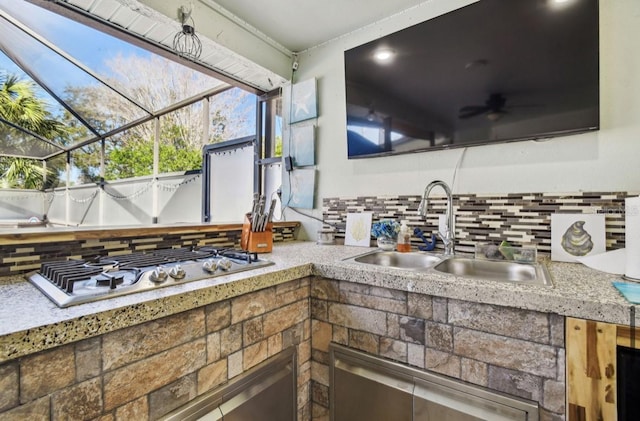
x=490 y=270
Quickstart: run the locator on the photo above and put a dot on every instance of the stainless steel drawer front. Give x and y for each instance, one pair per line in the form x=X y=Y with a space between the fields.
x=364 y=387
x=266 y=392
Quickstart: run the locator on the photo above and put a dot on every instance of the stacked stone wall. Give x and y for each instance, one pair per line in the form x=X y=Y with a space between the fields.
x=146 y=371
x=518 y=352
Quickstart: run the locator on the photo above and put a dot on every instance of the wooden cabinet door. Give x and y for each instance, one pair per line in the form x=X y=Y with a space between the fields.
x=591 y=370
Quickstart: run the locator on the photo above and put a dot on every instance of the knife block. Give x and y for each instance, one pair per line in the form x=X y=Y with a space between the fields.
x=256 y=241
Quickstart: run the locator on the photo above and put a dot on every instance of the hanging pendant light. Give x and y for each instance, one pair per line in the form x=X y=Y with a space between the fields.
x=186 y=43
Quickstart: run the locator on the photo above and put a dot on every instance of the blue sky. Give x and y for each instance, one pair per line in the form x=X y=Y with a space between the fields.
x=90 y=46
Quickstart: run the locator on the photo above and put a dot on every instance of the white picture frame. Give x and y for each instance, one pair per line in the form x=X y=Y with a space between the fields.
x=358 y=229
x=577 y=235
x=303 y=101
x=301 y=146
x=298 y=188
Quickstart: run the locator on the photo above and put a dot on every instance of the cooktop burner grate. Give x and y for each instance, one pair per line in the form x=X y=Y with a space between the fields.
x=65 y=274
x=73 y=282
x=154 y=258
x=240 y=255
x=182 y=254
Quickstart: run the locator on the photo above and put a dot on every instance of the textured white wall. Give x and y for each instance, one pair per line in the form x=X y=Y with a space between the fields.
x=607 y=160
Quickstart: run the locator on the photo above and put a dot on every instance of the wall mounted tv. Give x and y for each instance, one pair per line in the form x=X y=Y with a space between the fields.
x=492 y=71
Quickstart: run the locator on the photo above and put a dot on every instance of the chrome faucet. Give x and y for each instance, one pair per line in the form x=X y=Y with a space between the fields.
x=448 y=237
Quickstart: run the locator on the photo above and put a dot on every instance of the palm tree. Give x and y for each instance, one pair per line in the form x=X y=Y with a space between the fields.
x=20 y=105
x=23 y=173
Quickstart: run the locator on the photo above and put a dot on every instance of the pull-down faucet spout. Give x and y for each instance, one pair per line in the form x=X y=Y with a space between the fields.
x=448 y=237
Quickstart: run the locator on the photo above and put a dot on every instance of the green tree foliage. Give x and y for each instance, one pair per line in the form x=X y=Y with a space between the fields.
x=89 y=156
x=128 y=153
x=181 y=139
x=20 y=105
x=22 y=173
x=135 y=158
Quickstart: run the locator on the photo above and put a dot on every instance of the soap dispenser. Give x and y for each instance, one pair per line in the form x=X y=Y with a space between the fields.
x=404 y=238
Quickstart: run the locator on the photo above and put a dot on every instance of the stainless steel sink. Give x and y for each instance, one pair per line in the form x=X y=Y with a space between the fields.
x=491 y=270
x=394 y=259
x=488 y=270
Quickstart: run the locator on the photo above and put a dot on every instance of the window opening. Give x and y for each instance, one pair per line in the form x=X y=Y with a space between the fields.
x=108 y=101
x=95 y=91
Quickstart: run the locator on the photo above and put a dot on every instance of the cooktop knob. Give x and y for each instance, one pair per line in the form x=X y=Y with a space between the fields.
x=159 y=274
x=224 y=264
x=210 y=265
x=177 y=272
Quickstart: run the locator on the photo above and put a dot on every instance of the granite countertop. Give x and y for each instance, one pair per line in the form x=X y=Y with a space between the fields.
x=30 y=322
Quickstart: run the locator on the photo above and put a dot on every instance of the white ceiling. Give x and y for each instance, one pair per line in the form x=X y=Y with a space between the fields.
x=301 y=24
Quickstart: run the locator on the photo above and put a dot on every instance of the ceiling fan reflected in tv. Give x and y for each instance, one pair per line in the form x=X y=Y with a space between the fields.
x=493 y=108
x=493 y=71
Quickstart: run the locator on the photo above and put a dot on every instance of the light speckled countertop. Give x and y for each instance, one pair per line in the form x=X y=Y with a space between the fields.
x=30 y=322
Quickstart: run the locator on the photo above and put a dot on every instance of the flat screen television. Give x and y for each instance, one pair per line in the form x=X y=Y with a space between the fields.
x=492 y=71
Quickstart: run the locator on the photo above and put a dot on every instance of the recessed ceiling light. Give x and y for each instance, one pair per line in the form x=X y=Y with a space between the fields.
x=384 y=55
x=559 y=3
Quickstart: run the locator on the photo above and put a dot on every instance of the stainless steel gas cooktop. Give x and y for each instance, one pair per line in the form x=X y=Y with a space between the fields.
x=71 y=282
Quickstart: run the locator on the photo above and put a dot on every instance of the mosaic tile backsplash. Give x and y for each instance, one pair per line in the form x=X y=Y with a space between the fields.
x=23 y=258
x=522 y=219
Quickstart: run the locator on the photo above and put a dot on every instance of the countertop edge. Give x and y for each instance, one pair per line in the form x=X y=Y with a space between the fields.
x=577 y=292
x=62 y=332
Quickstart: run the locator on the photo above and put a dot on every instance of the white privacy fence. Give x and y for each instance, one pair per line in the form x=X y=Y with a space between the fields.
x=171 y=198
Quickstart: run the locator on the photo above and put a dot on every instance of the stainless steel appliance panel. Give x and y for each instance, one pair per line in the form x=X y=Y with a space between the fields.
x=265 y=392
x=365 y=387
x=270 y=399
x=387 y=396
x=435 y=402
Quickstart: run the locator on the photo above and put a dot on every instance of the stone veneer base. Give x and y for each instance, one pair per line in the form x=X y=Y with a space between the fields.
x=144 y=372
x=518 y=352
